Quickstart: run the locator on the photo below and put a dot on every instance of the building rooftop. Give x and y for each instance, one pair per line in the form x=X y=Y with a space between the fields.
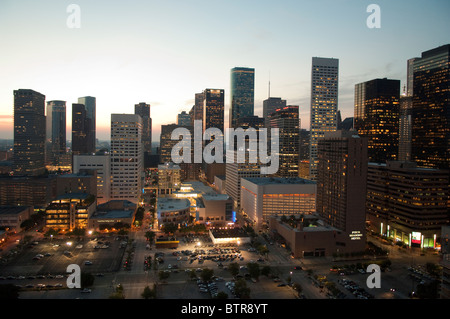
x=208 y=197
x=278 y=180
x=229 y=233
x=172 y=204
x=74 y=196
x=169 y=165
x=113 y=214
x=10 y=210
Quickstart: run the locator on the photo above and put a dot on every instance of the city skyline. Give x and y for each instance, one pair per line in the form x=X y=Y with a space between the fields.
x=159 y=62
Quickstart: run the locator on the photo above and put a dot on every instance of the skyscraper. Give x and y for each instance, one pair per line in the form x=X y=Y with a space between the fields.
x=213 y=109
x=287 y=121
x=89 y=103
x=56 y=131
x=377 y=117
x=197 y=111
x=341 y=183
x=324 y=104
x=80 y=129
x=29 y=132
x=271 y=105
x=431 y=109
x=242 y=91
x=143 y=110
x=184 y=119
x=127 y=165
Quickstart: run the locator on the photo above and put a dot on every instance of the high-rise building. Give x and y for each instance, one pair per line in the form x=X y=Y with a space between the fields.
x=242 y=91
x=431 y=109
x=197 y=111
x=271 y=105
x=29 y=132
x=234 y=172
x=80 y=129
x=56 y=131
x=213 y=109
x=143 y=110
x=127 y=170
x=169 y=179
x=405 y=127
x=407 y=203
x=287 y=121
x=377 y=117
x=89 y=103
x=324 y=104
x=341 y=184
x=184 y=119
x=102 y=165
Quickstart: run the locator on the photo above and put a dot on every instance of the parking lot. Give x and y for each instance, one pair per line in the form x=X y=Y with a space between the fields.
x=47 y=260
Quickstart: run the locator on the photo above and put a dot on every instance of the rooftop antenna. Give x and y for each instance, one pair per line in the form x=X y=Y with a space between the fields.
x=269 y=84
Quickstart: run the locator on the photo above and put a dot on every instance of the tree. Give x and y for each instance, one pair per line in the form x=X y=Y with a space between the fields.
x=253 y=270
x=169 y=228
x=241 y=290
x=207 y=274
x=263 y=250
x=87 y=279
x=149 y=293
x=266 y=271
x=233 y=268
x=150 y=236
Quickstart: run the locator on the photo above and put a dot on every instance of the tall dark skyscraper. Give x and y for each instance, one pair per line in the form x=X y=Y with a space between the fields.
x=213 y=109
x=56 y=130
x=89 y=103
x=341 y=183
x=29 y=132
x=143 y=109
x=377 y=117
x=271 y=105
x=287 y=121
x=430 y=142
x=80 y=131
x=242 y=90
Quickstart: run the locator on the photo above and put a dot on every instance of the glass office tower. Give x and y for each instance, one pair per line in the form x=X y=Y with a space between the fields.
x=242 y=90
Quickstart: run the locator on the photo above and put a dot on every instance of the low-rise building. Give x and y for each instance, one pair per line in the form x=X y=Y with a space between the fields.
x=173 y=210
x=111 y=213
x=263 y=197
x=217 y=210
x=312 y=237
x=235 y=236
x=12 y=216
x=70 y=211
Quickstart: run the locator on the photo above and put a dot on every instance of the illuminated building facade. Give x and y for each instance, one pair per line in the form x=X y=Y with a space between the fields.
x=288 y=122
x=341 y=184
x=431 y=109
x=324 y=104
x=377 y=106
x=264 y=197
x=127 y=170
x=70 y=211
x=407 y=203
x=213 y=109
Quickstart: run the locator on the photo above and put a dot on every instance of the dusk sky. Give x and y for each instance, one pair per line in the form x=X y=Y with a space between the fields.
x=163 y=52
